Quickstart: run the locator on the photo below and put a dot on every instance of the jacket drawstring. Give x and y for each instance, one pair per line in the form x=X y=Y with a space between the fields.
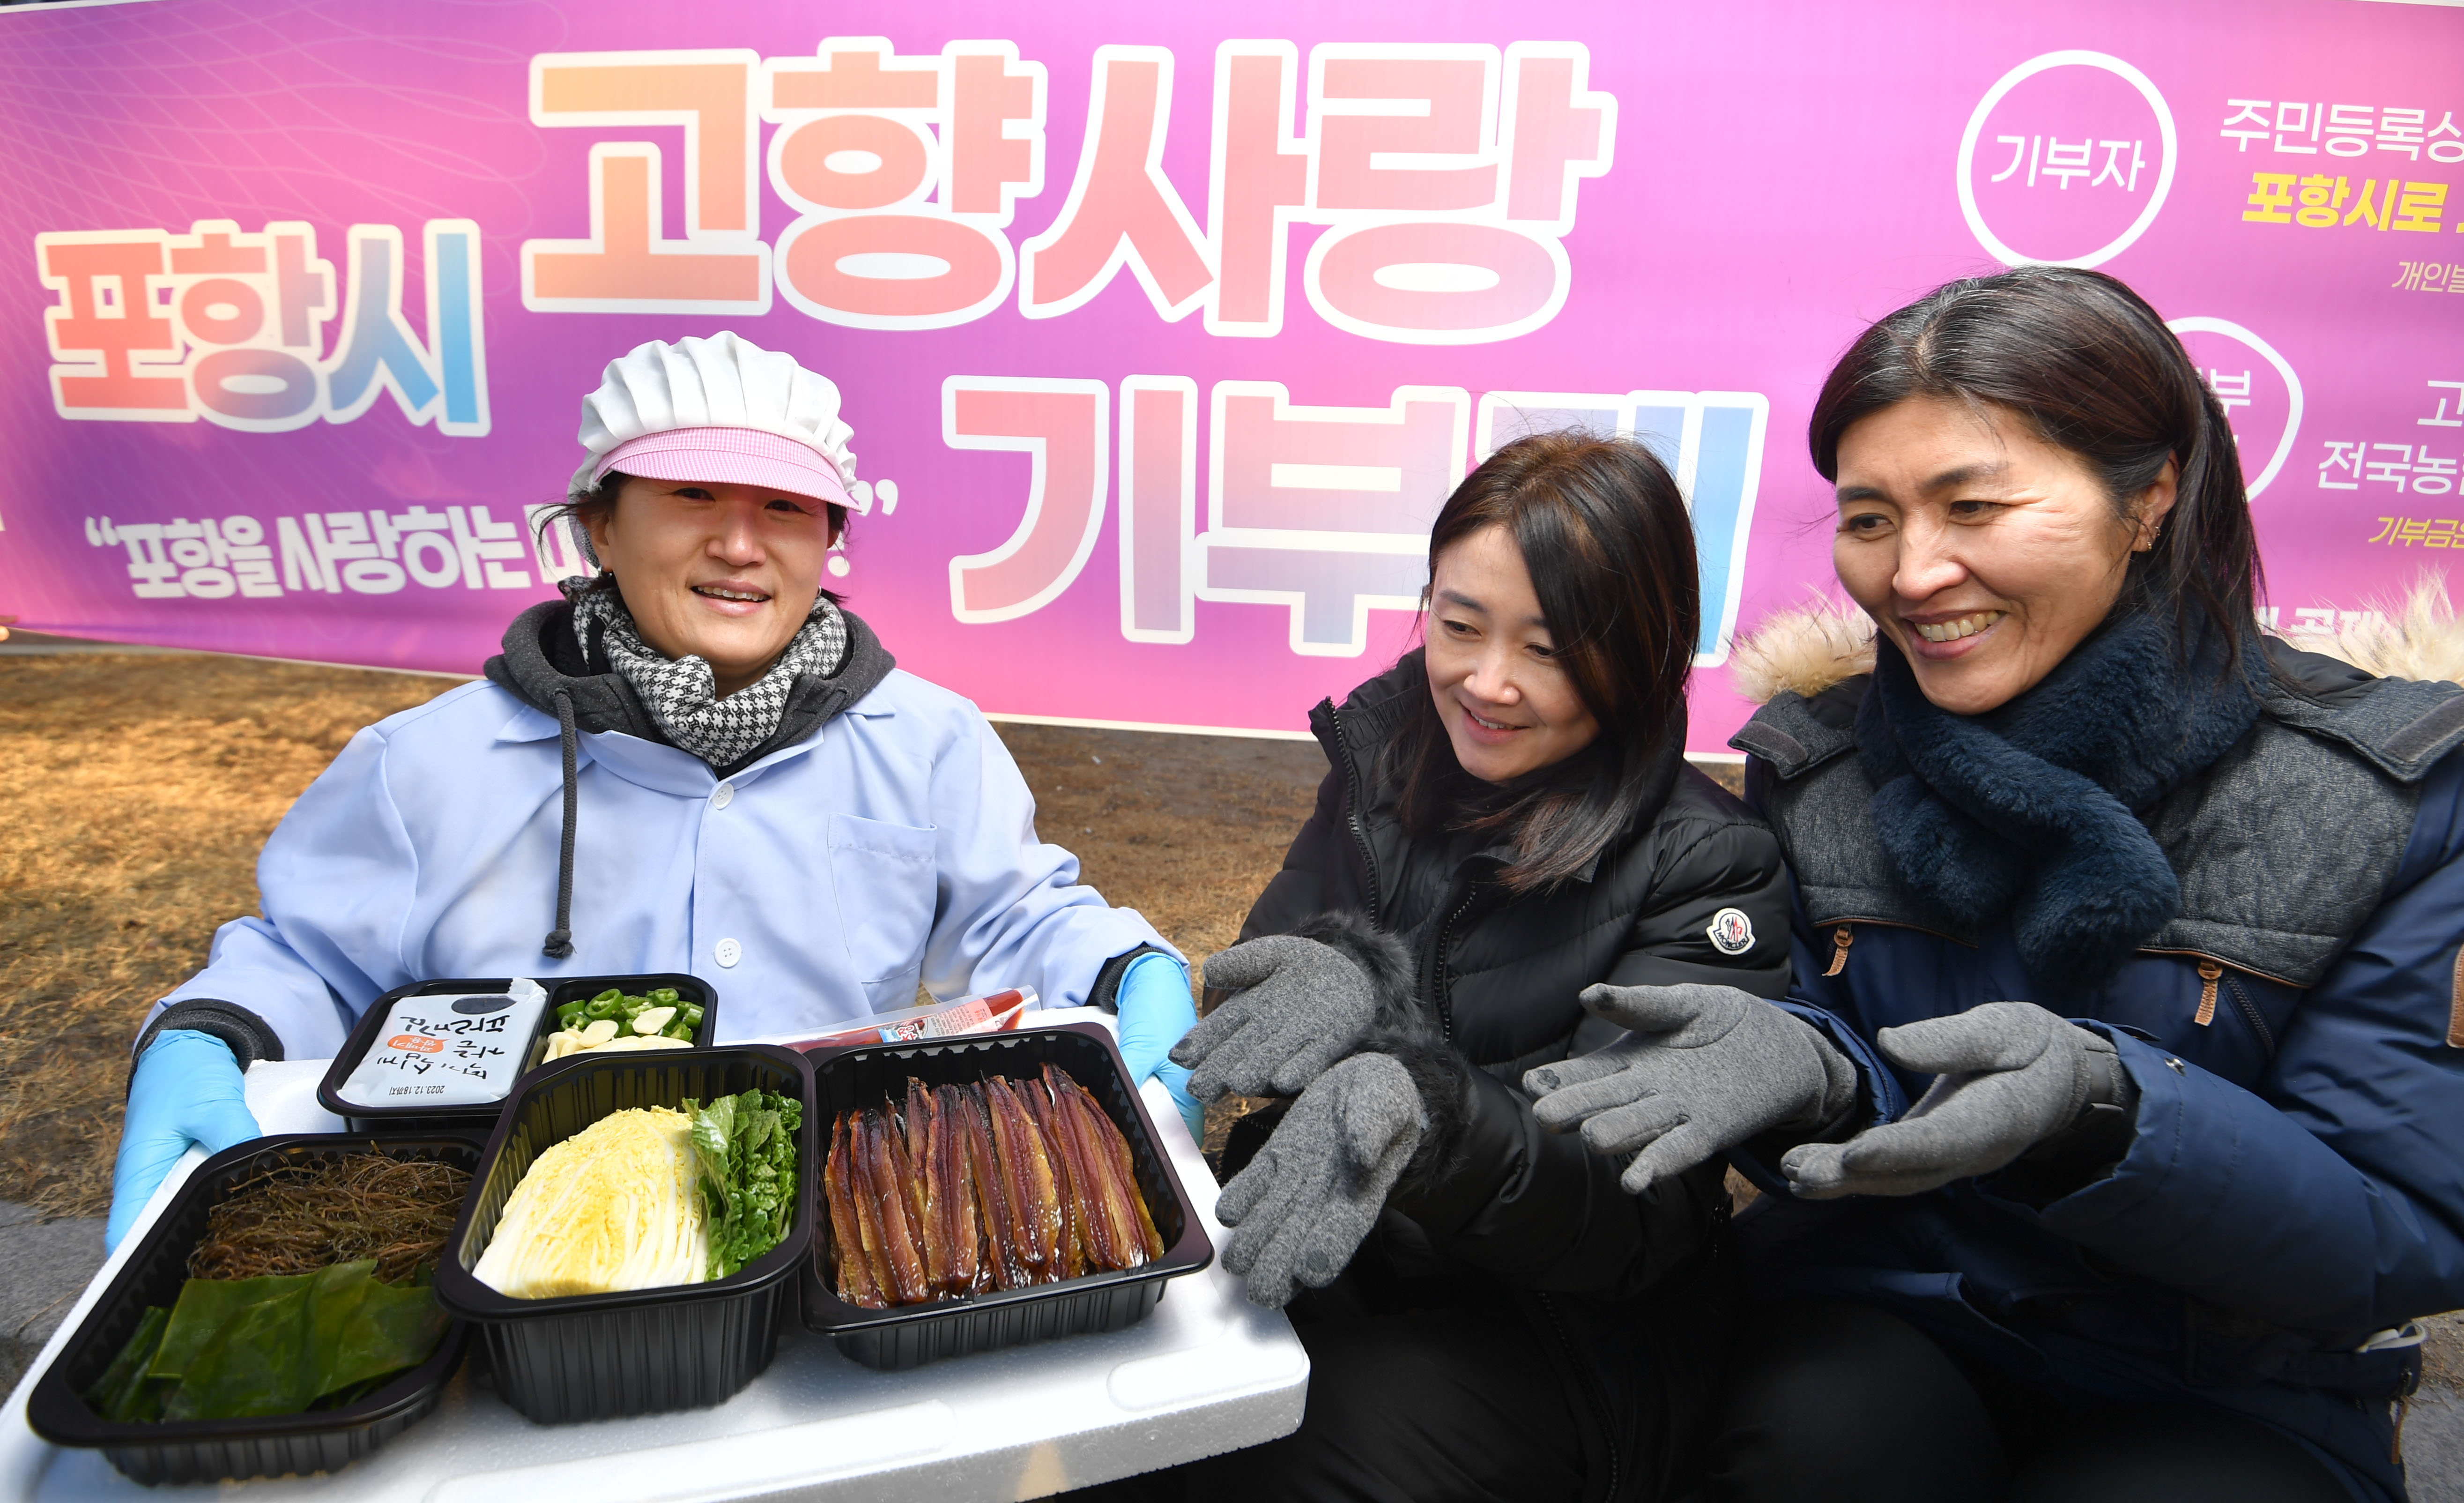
x=559 y=940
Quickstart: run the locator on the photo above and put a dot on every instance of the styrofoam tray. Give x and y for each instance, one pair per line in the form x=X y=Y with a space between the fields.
x=1206 y=1372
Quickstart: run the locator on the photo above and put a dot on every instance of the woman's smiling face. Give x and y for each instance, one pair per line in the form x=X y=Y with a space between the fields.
x=722 y=573
x=1506 y=703
x=1982 y=552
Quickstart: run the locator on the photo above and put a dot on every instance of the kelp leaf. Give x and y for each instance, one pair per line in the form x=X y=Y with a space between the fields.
x=393 y=1329
x=335 y=1300
x=207 y=1305
x=124 y=1393
x=260 y=1362
x=334 y=1331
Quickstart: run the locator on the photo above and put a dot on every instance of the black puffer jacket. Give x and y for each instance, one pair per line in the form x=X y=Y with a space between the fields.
x=1631 y=1291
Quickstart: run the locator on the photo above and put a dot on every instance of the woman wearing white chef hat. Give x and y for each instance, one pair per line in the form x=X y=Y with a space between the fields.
x=696 y=763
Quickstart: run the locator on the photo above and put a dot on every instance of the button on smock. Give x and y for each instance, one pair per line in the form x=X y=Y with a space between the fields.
x=729 y=952
x=722 y=796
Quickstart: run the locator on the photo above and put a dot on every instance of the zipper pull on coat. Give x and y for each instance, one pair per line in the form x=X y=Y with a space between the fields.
x=2210 y=973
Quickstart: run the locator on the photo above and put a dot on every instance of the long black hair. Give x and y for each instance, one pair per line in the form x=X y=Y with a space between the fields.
x=1605 y=535
x=2091 y=368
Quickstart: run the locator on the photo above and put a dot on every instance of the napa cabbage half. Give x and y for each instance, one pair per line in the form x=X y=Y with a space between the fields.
x=612 y=1207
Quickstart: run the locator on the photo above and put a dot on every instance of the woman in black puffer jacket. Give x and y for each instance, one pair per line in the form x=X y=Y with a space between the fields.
x=1508 y=819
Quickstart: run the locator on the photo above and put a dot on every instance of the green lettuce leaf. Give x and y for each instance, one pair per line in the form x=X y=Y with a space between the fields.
x=712 y=1126
x=742 y=1176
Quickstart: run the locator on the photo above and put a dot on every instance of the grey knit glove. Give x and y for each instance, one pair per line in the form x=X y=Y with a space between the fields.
x=1301 y=1006
x=2008 y=1075
x=1305 y=1203
x=1701 y=1069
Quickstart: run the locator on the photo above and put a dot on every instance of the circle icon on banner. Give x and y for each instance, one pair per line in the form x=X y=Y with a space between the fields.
x=2261 y=395
x=2066 y=161
x=1731 y=932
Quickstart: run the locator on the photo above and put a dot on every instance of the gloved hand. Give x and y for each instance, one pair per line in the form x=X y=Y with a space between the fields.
x=1304 y=1203
x=2008 y=1075
x=186 y=1090
x=1155 y=1010
x=1702 y=1069
x=1298 y=1006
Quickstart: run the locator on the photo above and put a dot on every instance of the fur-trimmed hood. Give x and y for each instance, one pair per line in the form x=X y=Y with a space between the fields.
x=1808 y=648
x=1803 y=650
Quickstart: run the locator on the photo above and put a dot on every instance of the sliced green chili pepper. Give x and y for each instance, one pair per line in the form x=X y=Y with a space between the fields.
x=602 y=1005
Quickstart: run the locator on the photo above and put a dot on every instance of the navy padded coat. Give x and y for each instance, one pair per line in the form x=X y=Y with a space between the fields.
x=2293 y=1195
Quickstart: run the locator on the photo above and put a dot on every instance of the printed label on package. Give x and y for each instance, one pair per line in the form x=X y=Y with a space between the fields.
x=448 y=1051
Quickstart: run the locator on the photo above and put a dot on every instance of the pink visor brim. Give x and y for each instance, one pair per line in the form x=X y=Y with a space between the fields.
x=730 y=456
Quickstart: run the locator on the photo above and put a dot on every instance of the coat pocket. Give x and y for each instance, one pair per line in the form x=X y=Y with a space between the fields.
x=885 y=877
x=2231 y=1350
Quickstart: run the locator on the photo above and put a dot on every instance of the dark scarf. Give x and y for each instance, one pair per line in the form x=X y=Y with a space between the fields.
x=2032 y=811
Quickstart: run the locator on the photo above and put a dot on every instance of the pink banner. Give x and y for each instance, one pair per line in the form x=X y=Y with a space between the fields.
x=1163 y=335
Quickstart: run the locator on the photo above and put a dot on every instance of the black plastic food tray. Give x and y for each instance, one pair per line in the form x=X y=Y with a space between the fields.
x=863 y=1075
x=213 y=1451
x=480 y=1117
x=599 y=1357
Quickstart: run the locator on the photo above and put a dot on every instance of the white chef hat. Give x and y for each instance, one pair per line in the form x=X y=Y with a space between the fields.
x=721 y=409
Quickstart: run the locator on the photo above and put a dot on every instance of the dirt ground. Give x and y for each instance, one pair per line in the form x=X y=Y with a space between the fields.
x=136 y=791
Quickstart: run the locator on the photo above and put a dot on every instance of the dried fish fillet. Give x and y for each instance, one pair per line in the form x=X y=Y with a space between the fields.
x=996 y=1185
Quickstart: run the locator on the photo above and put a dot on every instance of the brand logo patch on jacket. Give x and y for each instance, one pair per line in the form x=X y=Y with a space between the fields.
x=1731 y=932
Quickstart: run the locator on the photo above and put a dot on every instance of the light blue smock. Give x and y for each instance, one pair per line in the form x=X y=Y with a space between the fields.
x=894 y=845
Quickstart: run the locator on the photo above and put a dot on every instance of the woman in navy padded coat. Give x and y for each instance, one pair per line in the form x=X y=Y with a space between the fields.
x=2153 y=918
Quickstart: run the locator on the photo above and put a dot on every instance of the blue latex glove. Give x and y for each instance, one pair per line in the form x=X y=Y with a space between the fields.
x=187 y=1091
x=1155 y=1010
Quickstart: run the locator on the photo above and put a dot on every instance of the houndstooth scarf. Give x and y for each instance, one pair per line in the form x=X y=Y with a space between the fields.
x=681 y=694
